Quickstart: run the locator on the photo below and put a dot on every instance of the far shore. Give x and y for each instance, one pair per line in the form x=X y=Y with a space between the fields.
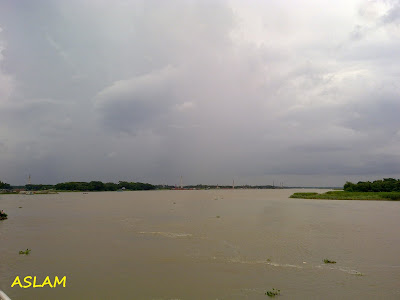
x=344 y=195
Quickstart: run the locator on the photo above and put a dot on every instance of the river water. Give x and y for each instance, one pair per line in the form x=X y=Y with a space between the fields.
x=215 y=244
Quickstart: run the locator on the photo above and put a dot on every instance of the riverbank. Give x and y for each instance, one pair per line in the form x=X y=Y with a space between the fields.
x=343 y=195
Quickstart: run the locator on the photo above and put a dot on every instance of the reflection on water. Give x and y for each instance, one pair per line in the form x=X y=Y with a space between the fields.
x=216 y=244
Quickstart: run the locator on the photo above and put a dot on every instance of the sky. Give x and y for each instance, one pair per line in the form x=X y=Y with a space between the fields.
x=299 y=93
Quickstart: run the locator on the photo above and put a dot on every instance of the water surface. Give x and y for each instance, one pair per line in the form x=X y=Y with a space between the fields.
x=215 y=244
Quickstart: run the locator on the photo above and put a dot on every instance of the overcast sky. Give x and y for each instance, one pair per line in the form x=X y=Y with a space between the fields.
x=300 y=92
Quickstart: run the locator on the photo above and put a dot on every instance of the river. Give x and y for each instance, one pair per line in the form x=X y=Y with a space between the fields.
x=214 y=244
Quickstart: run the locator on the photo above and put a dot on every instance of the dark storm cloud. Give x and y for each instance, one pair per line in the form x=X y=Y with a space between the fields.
x=381 y=116
x=212 y=90
x=133 y=104
x=373 y=165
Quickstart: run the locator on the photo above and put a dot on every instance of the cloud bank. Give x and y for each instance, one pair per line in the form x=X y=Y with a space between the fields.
x=210 y=90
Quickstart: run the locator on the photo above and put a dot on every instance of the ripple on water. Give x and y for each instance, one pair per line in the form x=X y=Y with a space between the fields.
x=173 y=235
x=130 y=223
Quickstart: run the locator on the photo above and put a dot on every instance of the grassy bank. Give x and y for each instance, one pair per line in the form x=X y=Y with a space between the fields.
x=343 y=195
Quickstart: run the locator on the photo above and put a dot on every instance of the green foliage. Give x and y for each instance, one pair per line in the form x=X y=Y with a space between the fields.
x=273 y=293
x=100 y=186
x=96 y=186
x=391 y=196
x=385 y=185
x=4 y=186
x=38 y=187
x=304 y=195
x=135 y=186
x=327 y=261
x=345 y=195
x=110 y=186
x=26 y=252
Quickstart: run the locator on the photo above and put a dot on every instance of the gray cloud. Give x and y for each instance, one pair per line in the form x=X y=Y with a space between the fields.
x=211 y=90
x=393 y=14
x=136 y=103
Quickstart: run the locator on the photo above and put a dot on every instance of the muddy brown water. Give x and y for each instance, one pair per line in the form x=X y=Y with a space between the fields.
x=215 y=244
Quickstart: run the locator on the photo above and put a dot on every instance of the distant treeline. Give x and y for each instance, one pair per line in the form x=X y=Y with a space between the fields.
x=4 y=186
x=92 y=186
x=204 y=187
x=36 y=187
x=385 y=185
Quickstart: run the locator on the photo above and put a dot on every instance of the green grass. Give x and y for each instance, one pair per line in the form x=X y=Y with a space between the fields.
x=46 y=192
x=343 y=195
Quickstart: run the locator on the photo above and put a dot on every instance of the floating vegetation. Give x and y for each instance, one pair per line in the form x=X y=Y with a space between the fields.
x=19 y=206
x=327 y=261
x=273 y=293
x=3 y=215
x=26 y=252
x=218 y=217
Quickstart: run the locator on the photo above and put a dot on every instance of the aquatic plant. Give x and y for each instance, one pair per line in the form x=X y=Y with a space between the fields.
x=273 y=293
x=3 y=215
x=327 y=261
x=26 y=252
x=218 y=217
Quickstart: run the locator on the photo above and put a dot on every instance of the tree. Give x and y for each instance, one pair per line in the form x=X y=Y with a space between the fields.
x=362 y=186
x=4 y=186
x=110 y=186
x=377 y=186
x=349 y=186
x=385 y=185
x=96 y=186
